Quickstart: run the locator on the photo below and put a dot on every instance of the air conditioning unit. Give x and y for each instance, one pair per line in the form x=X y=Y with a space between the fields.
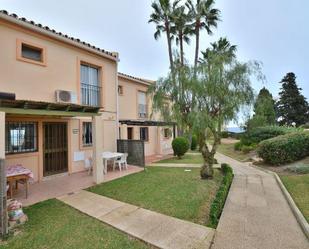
x=63 y=96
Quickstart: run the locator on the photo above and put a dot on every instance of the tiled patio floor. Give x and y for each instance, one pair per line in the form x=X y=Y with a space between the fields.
x=61 y=185
x=156 y=158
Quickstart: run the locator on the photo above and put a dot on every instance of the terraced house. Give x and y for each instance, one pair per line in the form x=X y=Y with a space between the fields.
x=60 y=102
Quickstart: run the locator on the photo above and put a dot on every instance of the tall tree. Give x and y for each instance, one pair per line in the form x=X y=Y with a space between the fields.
x=161 y=17
x=181 y=28
x=264 y=110
x=292 y=106
x=205 y=17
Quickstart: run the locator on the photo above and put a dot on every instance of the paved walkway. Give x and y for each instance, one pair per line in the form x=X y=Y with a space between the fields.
x=256 y=214
x=156 y=229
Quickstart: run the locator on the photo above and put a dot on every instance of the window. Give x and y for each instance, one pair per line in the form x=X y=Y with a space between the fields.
x=130 y=133
x=87 y=134
x=144 y=134
x=20 y=137
x=31 y=53
x=167 y=133
x=142 y=107
x=90 y=85
x=120 y=90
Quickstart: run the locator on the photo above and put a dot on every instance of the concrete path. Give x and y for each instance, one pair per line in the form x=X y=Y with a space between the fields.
x=156 y=229
x=256 y=214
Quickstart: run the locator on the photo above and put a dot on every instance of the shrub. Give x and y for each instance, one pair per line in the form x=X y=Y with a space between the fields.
x=263 y=133
x=305 y=126
x=285 y=149
x=247 y=148
x=180 y=146
x=224 y=134
x=220 y=198
x=238 y=146
x=194 y=142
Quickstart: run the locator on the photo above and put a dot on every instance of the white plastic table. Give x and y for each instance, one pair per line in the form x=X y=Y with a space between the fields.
x=110 y=156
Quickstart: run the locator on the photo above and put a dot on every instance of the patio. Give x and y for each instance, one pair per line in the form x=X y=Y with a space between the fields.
x=60 y=185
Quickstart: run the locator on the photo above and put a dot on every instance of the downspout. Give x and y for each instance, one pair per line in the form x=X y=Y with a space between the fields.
x=117 y=98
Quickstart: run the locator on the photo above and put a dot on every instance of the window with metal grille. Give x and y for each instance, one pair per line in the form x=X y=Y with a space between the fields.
x=87 y=134
x=90 y=85
x=32 y=53
x=142 y=106
x=144 y=134
x=21 y=137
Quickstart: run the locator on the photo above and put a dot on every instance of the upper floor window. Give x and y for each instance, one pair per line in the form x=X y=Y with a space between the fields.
x=31 y=53
x=20 y=137
x=90 y=86
x=142 y=105
x=120 y=90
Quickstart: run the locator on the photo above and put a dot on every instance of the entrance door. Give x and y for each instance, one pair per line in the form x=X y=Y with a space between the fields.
x=55 y=148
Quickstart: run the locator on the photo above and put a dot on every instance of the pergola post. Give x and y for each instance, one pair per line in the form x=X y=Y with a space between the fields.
x=3 y=208
x=98 y=146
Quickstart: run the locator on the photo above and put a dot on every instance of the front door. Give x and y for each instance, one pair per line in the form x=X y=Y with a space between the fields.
x=55 y=148
x=130 y=133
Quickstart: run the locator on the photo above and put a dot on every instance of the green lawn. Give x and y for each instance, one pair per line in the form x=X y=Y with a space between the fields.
x=193 y=159
x=298 y=186
x=53 y=224
x=228 y=150
x=170 y=191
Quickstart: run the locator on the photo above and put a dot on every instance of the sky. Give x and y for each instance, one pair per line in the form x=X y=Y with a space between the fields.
x=273 y=32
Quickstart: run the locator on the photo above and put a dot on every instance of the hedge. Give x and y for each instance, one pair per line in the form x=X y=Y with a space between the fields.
x=263 y=133
x=220 y=198
x=285 y=149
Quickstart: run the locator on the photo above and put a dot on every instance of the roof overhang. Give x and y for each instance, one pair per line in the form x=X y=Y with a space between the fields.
x=146 y=123
x=30 y=107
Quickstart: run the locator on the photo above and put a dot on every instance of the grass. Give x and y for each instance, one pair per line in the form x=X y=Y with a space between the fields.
x=53 y=224
x=228 y=150
x=298 y=186
x=187 y=159
x=170 y=191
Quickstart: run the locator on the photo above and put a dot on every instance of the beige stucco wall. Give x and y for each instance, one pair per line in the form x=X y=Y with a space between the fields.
x=34 y=82
x=2 y=130
x=39 y=82
x=128 y=109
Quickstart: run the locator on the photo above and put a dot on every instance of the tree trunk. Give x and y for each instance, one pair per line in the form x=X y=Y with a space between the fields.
x=197 y=42
x=181 y=49
x=207 y=170
x=169 y=44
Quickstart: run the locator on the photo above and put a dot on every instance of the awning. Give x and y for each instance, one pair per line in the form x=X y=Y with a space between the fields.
x=146 y=123
x=30 y=107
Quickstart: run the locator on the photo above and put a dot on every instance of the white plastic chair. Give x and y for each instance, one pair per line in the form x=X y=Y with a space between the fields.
x=88 y=164
x=122 y=161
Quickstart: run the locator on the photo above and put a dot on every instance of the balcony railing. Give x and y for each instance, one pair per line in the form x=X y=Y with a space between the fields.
x=91 y=95
x=142 y=111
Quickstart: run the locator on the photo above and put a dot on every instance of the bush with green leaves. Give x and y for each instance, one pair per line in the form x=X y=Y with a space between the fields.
x=238 y=146
x=247 y=148
x=180 y=146
x=285 y=149
x=220 y=198
x=224 y=134
x=305 y=126
x=194 y=142
x=257 y=135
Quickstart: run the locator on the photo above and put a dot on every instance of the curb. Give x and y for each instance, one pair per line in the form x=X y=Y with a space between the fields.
x=299 y=216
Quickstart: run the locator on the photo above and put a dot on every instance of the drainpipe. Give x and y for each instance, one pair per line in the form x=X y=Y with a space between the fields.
x=117 y=97
x=3 y=197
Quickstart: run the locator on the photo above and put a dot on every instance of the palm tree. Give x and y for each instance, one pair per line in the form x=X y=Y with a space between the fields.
x=181 y=28
x=205 y=17
x=161 y=16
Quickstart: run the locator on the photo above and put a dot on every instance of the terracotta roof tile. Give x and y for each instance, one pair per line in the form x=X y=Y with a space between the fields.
x=23 y=19
x=147 y=82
